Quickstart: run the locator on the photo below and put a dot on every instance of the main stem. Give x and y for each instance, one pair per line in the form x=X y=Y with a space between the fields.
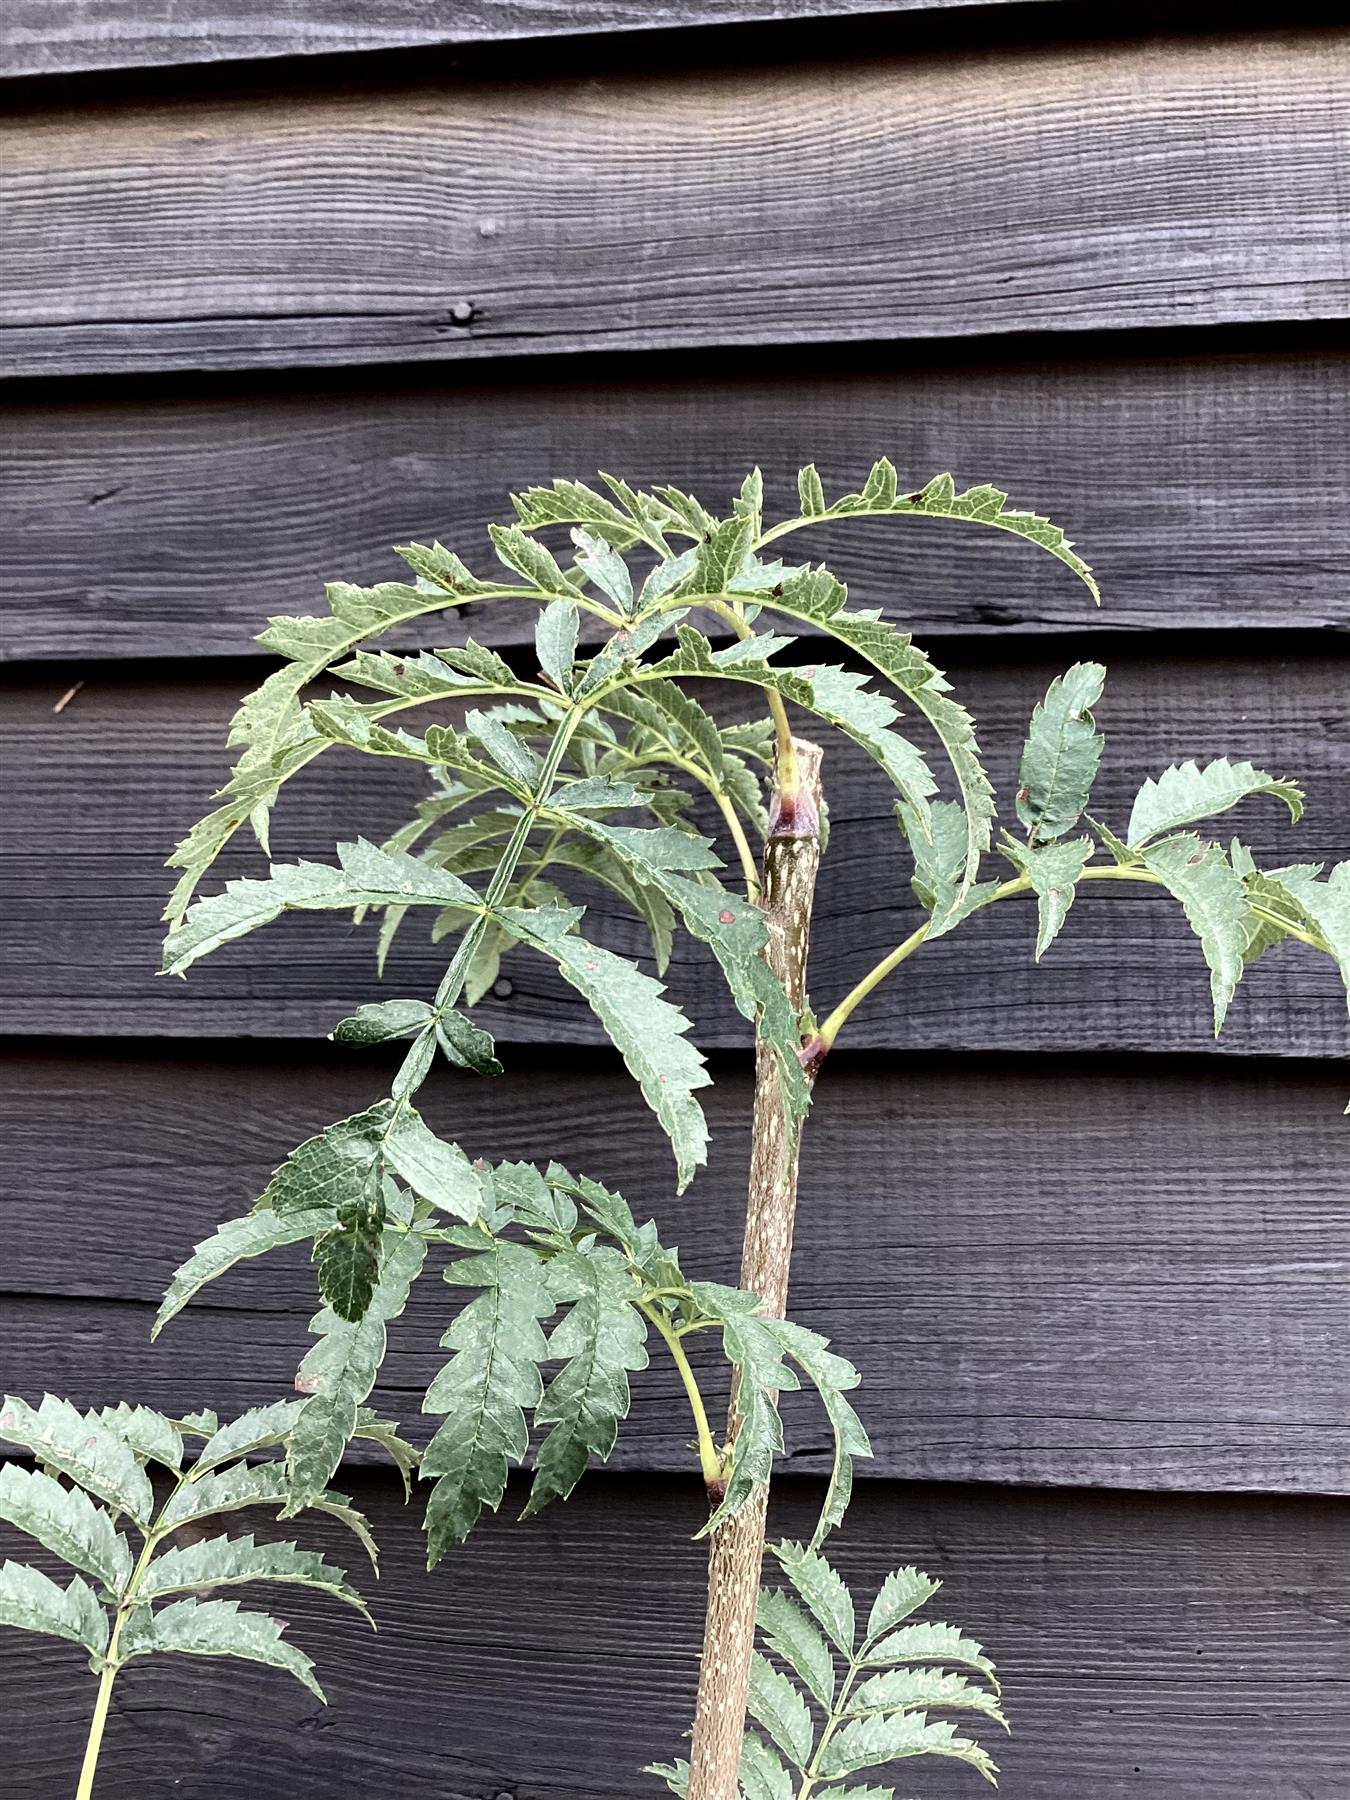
x=791 y=858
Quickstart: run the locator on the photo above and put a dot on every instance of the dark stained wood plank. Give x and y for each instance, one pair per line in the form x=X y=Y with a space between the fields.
x=102 y=789
x=952 y=195
x=1148 y=1649
x=40 y=38
x=1205 y=491
x=1044 y=1274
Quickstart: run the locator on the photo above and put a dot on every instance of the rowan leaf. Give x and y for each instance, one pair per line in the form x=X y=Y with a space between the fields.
x=382 y=1021
x=82 y=1446
x=216 y=1628
x=151 y=1437
x=555 y=641
x=1214 y=902
x=1325 y=906
x=527 y=557
x=32 y=1601
x=604 y=1339
x=66 y=1522
x=572 y=502
x=832 y=1376
x=348 y=1260
x=601 y=563
x=1186 y=793
x=1061 y=755
x=486 y=1387
x=941 y=849
x=340 y=1369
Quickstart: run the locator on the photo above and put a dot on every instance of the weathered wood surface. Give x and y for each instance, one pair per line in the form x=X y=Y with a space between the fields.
x=173 y=526
x=66 y=37
x=1029 y=1298
x=1149 y=1649
x=1188 y=181
x=102 y=789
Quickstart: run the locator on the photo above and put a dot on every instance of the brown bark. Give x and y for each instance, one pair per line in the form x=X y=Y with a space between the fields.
x=791 y=858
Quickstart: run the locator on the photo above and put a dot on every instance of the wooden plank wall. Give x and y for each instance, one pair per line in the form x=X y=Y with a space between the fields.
x=286 y=284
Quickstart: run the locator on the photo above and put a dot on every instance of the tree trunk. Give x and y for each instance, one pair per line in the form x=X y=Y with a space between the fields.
x=791 y=858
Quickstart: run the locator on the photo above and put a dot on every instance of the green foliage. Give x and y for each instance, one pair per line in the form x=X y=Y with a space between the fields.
x=614 y=771
x=829 y=1704
x=137 y=1553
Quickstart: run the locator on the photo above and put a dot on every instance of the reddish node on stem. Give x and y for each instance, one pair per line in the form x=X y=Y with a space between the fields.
x=794 y=814
x=717 y=1493
x=814 y=1050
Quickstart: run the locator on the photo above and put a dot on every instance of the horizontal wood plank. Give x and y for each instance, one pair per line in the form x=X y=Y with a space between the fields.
x=103 y=788
x=1045 y=1275
x=1139 y=1641
x=1187 y=181
x=173 y=526
x=67 y=37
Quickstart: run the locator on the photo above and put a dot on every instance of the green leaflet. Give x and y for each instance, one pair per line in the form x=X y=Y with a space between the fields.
x=898 y=1690
x=385 y=1433
x=572 y=502
x=761 y=1773
x=225 y=1562
x=339 y=1371
x=648 y=1031
x=776 y=1705
x=81 y=1446
x=1215 y=904
x=869 y=1743
x=794 y=1637
x=940 y=862
x=1326 y=906
x=331 y=1169
x=1061 y=754
x=832 y=1376
x=601 y=564
x=66 y=1522
x=348 y=1260
x=257 y=1429
x=486 y=1387
x=32 y=1601
x=1053 y=871
x=366 y=876
x=216 y=1628
x=1186 y=793
x=928 y=1642
x=903 y=1592
x=823 y=1591
x=383 y=1020
x=526 y=556
x=258 y=1484
x=555 y=638
x=604 y=1339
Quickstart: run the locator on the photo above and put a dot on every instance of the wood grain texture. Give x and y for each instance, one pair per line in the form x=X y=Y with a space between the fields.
x=65 y=37
x=1133 y=1277
x=1206 y=491
x=1034 y=189
x=102 y=789
x=1149 y=1649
